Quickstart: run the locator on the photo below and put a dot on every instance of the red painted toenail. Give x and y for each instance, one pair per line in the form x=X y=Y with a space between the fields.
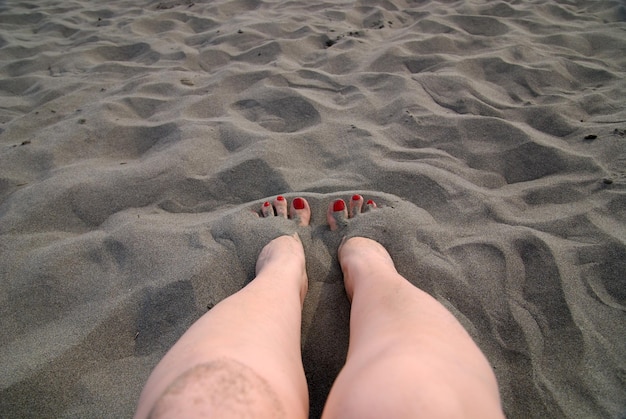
x=356 y=197
x=298 y=203
x=266 y=204
x=370 y=202
x=280 y=198
x=339 y=205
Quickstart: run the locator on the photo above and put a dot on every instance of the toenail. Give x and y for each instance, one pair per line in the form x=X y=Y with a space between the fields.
x=339 y=205
x=370 y=202
x=266 y=204
x=356 y=197
x=280 y=198
x=298 y=203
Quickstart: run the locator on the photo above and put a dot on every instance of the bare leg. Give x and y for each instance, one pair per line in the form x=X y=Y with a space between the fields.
x=408 y=356
x=242 y=358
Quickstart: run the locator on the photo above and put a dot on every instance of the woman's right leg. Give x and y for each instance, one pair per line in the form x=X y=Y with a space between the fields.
x=408 y=356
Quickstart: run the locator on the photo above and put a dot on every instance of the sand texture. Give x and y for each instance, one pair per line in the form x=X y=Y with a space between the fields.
x=136 y=136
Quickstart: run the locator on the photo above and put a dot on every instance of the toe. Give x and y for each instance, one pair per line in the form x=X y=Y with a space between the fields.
x=356 y=203
x=337 y=214
x=370 y=205
x=267 y=210
x=300 y=211
x=280 y=203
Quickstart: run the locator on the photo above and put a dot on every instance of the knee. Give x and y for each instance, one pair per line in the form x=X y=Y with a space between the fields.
x=222 y=388
x=410 y=390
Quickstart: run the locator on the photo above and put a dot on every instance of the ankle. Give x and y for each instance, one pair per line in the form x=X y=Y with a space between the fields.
x=365 y=262
x=360 y=252
x=283 y=258
x=284 y=250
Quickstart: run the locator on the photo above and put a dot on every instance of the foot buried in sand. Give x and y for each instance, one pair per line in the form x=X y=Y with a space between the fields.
x=356 y=252
x=338 y=213
x=286 y=251
x=298 y=211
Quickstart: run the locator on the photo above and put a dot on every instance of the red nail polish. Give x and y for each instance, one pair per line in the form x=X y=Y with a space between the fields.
x=266 y=204
x=356 y=197
x=370 y=202
x=339 y=205
x=280 y=198
x=298 y=203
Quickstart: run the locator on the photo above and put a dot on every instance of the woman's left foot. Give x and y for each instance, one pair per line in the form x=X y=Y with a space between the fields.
x=338 y=213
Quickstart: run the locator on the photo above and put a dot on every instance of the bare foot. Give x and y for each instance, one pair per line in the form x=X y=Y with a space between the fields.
x=284 y=256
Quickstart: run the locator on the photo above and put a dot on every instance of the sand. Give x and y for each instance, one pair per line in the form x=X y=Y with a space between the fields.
x=136 y=136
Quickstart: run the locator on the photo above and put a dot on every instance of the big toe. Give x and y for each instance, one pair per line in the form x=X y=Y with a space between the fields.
x=300 y=211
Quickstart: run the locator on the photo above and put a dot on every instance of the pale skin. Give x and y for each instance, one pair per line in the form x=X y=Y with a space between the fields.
x=408 y=356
